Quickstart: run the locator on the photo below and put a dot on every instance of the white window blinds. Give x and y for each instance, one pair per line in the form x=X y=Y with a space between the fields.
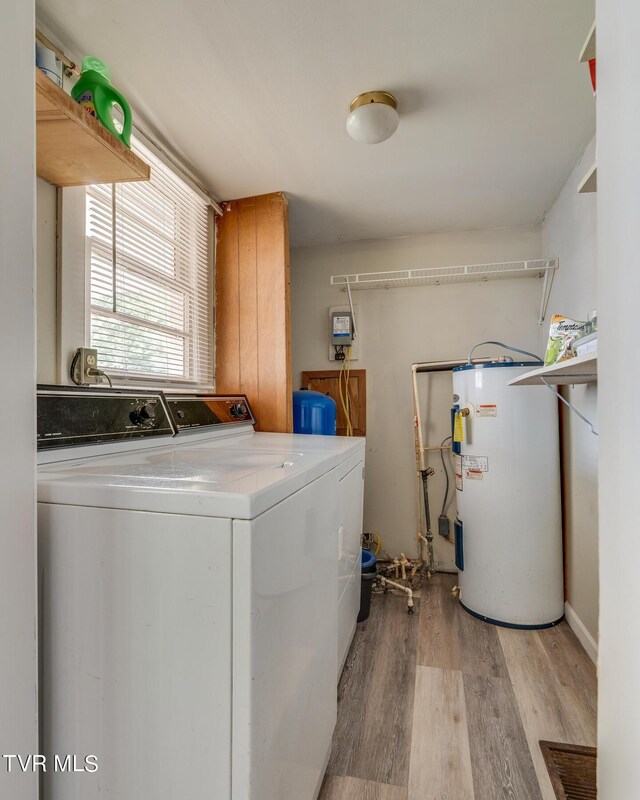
x=151 y=278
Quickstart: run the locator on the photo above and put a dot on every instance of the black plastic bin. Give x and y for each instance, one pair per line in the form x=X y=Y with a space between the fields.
x=369 y=572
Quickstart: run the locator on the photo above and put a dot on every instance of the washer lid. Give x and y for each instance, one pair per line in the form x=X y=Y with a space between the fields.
x=171 y=469
x=240 y=477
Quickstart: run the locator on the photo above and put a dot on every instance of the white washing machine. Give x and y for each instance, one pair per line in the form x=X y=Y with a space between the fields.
x=188 y=615
x=350 y=473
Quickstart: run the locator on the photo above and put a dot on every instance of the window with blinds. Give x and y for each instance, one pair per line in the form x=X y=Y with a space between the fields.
x=151 y=278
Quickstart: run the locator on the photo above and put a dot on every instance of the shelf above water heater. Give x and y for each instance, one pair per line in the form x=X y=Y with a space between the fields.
x=581 y=369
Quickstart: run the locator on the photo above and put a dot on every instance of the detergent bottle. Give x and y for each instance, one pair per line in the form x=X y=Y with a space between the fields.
x=96 y=95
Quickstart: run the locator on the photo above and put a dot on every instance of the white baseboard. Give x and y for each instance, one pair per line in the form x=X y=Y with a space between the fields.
x=580 y=630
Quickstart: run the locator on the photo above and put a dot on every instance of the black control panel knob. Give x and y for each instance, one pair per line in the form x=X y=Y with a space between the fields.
x=238 y=410
x=144 y=414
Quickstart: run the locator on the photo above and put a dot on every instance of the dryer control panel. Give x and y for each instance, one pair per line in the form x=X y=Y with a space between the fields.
x=203 y=411
x=71 y=416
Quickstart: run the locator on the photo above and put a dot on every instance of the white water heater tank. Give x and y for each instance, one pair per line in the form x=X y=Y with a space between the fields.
x=509 y=527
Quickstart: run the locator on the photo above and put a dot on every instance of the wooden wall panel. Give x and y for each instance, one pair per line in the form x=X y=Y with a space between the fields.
x=253 y=340
x=248 y=298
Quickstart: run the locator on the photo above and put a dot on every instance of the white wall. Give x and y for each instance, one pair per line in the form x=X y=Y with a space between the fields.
x=18 y=672
x=46 y=280
x=569 y=232
x=400 y=326
x=618 y=201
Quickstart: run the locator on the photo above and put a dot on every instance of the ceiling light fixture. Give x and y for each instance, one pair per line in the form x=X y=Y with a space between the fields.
x=373 y=117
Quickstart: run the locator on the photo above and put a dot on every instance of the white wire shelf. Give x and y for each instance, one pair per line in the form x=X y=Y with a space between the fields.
x=439 y=275
x=435 y=276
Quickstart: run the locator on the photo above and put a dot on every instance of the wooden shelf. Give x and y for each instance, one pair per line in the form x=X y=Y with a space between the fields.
x=589 y=49
x=581 y=369
x=73 y=148
x=590 y=181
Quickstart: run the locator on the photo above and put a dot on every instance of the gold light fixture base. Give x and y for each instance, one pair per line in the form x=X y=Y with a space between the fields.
x=386 y=98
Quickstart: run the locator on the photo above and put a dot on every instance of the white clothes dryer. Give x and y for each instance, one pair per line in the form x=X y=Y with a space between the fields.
x=189 y=620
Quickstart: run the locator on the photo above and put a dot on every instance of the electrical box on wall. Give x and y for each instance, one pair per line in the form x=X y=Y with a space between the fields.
x=341 y=332
x=341 y=328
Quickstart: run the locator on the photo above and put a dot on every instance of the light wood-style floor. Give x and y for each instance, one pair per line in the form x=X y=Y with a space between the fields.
x=441 y=706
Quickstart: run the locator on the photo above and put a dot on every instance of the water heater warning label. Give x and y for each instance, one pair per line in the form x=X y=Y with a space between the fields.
x=487 y=411
x=475 y=463
x=474 y=474
x=458 y=468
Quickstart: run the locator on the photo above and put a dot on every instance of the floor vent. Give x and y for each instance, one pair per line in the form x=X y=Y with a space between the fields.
x=572 y=769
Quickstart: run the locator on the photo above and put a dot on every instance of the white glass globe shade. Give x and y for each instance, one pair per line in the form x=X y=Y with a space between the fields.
x=372 y=123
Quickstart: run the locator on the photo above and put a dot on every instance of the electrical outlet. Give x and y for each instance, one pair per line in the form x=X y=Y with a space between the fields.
x=85 y=361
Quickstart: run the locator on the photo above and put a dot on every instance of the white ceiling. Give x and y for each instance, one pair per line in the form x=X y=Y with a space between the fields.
x=494 y=108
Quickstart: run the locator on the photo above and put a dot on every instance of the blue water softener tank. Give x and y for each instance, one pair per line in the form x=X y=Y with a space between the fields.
x=313 y=412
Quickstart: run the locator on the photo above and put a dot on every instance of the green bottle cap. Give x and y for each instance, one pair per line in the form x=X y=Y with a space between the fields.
x=95 y=65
